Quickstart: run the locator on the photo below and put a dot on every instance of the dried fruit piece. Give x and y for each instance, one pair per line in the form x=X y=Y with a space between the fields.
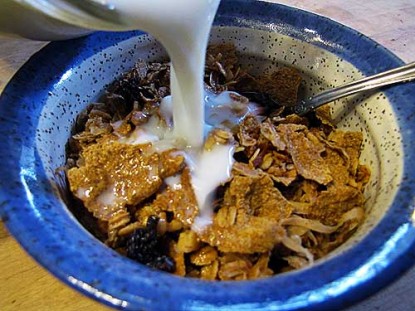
x=142 y=244
x=144 y=247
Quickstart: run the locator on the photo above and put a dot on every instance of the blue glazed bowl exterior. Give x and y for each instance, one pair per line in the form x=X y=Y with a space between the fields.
x=32 y=210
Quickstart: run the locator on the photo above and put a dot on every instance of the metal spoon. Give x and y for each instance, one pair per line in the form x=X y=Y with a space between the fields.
x=404 y=73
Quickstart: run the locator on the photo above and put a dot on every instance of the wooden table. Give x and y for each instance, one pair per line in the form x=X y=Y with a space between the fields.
x=24 y=285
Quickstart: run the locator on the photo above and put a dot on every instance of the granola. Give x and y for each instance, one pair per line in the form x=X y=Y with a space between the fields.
x=295 y=194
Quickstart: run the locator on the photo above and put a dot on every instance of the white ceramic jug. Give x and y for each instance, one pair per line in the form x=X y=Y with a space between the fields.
x=63 y=19
x=23 y=18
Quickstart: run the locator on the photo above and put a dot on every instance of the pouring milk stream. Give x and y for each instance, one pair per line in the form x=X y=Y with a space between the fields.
x=183 y=28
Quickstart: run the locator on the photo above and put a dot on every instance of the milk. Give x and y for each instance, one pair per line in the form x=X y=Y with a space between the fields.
x=183 y=27
x=211 y=168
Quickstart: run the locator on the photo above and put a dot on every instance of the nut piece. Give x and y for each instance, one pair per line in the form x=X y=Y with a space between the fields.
x=210 y=272
x=204 y=256
x=188 y=242
x=266 y=162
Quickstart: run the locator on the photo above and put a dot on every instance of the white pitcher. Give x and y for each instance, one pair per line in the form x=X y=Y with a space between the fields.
x=28 y=19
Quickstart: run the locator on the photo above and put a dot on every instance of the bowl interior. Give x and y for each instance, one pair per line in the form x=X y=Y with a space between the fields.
x=39 y=107
x=260 y=51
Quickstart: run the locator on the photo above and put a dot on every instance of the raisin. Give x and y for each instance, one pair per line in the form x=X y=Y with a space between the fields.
x=144 y=247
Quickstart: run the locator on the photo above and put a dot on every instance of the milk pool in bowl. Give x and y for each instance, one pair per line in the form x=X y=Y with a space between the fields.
x=37 y=119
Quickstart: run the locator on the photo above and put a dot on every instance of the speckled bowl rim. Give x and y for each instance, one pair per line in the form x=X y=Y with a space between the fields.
x=382 y=255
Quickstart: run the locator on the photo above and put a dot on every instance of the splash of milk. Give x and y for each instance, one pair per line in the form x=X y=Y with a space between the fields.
x=182 y=27
x=212 y=168
x=209 y=168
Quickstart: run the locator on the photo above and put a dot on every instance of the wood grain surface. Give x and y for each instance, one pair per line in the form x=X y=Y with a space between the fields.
x=25 y=285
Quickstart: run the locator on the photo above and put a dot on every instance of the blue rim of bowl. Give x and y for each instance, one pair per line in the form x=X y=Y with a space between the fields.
x=53 y=238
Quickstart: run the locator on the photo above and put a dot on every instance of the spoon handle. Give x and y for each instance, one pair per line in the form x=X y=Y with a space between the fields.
x=401 y=74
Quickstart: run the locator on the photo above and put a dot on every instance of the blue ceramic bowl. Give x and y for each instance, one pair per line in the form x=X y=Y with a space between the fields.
x=38 y=108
